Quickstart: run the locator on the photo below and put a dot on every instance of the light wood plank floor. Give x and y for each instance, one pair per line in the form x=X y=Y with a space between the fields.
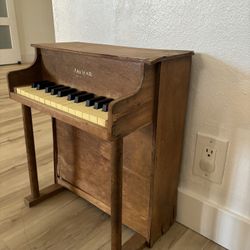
x=64 y=221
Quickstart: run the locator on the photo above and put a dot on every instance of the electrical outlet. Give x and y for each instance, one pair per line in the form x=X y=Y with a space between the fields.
x=210 y=157
x=207 y=161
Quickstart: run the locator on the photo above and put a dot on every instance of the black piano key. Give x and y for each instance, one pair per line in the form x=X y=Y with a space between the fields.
x=49 y=88
x=72 y=96
x=34 y=84
x=43 y=85
x=55 y=90
x=64 y=92
x=99 y=104
x=84 y=97
x=92 y=101
x=105 y=107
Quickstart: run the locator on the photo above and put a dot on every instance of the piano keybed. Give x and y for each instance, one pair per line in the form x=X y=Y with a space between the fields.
x=81 y=104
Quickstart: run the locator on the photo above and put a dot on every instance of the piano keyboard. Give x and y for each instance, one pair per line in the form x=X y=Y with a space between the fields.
x=86 y=106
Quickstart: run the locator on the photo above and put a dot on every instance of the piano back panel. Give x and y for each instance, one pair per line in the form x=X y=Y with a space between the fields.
x=102 y=76
x=84 y=162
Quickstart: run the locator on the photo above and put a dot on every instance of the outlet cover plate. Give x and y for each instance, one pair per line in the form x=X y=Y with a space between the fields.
x=221 y=148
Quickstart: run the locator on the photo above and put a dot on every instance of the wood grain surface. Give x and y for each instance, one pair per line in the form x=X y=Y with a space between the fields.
x=120 y=53
x=169 y=130
x=64 y=221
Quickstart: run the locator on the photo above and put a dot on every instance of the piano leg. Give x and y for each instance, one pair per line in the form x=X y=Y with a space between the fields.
x=136 y=242
x=116 y=194
x=30 y=149
x=53 y=121
x=36 y=195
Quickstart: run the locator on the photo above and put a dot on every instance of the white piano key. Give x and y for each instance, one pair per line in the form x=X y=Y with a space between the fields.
x=61 y=103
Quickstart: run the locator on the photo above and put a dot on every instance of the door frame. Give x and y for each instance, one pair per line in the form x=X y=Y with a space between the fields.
x=12 y=55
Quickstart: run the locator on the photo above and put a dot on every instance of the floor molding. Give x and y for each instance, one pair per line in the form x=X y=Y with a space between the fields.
x=216 y=223
x=27 y=58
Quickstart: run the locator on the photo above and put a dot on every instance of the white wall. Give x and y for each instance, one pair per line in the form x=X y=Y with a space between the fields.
x=34 y=24
x=219 y=101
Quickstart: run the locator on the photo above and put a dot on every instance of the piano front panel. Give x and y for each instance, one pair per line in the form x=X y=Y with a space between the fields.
x=84 y=163
x=103 y=76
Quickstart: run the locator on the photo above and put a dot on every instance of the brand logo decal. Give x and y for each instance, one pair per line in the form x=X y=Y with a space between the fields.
x=83 y=72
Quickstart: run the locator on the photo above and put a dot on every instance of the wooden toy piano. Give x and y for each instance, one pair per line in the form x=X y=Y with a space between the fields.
x=118 y=118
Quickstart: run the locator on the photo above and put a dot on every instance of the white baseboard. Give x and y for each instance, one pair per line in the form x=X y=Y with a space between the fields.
x=230 y=230
x=27 y=58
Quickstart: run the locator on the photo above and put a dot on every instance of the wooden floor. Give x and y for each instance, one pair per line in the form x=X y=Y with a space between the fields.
x=64 y=221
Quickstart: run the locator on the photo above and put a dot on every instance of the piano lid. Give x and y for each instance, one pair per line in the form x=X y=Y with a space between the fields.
x=148 y=56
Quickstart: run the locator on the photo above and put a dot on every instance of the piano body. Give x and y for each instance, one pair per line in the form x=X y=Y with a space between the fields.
x=126 y=159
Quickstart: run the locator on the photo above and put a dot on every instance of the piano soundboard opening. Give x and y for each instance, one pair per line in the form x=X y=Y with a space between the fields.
x=81 y=104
